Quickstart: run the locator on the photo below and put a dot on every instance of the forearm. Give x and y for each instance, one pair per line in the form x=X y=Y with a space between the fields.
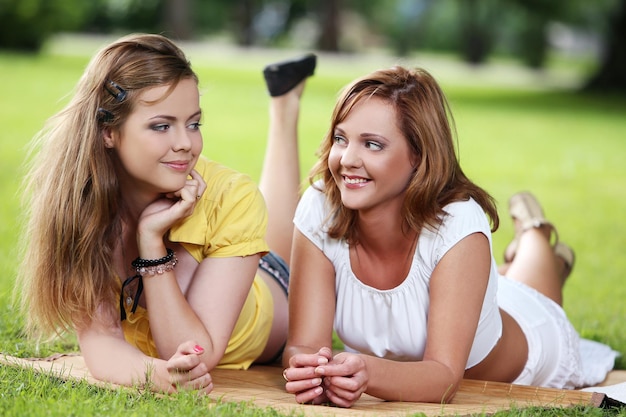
x=173 y=321
x=114 y=360
x=425 y=381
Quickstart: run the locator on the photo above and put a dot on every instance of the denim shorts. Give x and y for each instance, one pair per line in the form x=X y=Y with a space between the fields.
x=277 y=268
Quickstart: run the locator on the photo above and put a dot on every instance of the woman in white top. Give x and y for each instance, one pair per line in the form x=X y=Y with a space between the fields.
x=392 y=249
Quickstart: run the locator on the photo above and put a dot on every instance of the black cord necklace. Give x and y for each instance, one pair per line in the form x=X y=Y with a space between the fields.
x=127 y=299
x=143 y=267
x=125 y=295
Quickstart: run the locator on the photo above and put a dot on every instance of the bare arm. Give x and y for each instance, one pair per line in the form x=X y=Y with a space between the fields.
x=110 y=358
x=208 y=309
x=311 y=314
x=457 y=289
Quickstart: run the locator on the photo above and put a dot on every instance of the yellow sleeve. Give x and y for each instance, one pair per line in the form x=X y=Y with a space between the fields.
x=230 y=219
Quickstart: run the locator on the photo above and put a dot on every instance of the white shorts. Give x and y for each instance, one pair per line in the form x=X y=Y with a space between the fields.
x=553 y=344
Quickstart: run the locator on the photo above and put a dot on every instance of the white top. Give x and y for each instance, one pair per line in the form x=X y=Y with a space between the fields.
x=392 y=323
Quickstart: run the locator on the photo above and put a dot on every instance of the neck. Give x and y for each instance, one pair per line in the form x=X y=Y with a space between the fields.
x=133 y=199
x=384 y=234
x=133 y=203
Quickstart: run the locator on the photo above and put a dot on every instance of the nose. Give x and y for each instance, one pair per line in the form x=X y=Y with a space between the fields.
x=182 y=141
x=350 y=156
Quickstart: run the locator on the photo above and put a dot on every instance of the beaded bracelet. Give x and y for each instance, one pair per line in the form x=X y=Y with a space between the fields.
x=155 y=266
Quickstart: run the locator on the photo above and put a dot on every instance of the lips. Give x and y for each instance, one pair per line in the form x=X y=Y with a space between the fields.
x=178 y=165
x=354 y=182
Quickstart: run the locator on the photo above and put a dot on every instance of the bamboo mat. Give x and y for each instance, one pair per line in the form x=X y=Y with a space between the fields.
x=263 y=387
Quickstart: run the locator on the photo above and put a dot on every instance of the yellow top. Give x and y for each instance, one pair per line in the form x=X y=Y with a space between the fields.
x=230 y=219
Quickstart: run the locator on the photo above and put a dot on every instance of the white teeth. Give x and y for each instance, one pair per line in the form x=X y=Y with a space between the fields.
x=355 y=180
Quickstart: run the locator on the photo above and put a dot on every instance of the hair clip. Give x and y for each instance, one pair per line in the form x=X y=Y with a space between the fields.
x=105 y=116
x=111 y=86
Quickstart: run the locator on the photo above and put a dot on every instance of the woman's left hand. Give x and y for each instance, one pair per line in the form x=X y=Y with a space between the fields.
x=187 y=371
x=301 y=379
x=345 y=378
x=162 y=214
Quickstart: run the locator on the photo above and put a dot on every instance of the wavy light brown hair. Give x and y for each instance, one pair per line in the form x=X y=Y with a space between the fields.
x=426 y=122
x=72 y=202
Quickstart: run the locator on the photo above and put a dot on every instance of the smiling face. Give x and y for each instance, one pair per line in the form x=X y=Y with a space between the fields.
x=370 y=159
x=160 y=142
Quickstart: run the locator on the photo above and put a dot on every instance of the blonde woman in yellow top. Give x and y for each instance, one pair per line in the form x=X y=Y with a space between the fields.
x=155 y=256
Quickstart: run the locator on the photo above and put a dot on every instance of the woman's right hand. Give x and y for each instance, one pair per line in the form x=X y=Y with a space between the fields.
x=160 y=215
x=302 y=379
x=109 y=357
x=187 y=371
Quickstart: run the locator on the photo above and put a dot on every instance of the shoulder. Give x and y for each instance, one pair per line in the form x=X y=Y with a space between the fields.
x=220 y=178
x=230 y=217
x=228 y=189
x=461 y=219
x=311 y=215
x=311 y=206
x=464 y=211
x=313 y=195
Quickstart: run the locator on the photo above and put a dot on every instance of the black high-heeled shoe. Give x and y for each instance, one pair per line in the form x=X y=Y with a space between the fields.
x=280 y=77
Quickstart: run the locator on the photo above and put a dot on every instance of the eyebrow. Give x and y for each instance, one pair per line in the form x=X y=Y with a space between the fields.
x=363 y=135
x=167 y=117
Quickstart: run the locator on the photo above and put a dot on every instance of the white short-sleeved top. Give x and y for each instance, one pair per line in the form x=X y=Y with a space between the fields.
x=392 y=323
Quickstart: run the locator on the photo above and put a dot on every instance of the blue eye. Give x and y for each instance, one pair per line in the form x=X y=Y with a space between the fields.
x=195 y=126
x=339 y=139
x=375 y=146
x=160 y=127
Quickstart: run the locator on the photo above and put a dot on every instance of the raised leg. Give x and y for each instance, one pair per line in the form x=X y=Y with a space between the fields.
x=535 y=256
x=536 y=265
x=280 y=177
x=280 y=180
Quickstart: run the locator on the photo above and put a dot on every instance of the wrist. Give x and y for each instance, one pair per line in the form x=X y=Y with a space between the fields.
x=151 y=244
x=155 y=266
x=151 y=247
x=160 y=378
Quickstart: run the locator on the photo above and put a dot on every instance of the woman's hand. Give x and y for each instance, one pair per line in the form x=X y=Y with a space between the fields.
x=109 y=357
x=302 y=379
x=187 y=371
x=345 y=378
x=158 y=217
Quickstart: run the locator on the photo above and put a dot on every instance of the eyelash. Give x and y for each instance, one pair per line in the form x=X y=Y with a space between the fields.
x=162 y=127
x=369 y=144
x=377 y=146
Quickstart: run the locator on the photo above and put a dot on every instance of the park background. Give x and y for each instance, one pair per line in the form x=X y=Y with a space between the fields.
x=537 y=89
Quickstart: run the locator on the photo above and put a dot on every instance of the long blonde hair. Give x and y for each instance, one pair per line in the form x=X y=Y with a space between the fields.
x=425 y=120
x=72 y=201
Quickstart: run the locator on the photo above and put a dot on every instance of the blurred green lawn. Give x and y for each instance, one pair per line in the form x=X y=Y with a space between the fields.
x=515 y=132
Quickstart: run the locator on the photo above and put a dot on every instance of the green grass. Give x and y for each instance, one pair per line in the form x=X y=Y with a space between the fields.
x=34 y=394
x=515 y=133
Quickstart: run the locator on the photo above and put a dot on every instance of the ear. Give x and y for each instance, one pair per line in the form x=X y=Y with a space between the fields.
x=108 y=137
x=414 y=161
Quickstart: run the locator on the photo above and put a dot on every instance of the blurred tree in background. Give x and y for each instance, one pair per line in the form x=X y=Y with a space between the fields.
x=611 y=75
x=475 y=30
x=25 y=24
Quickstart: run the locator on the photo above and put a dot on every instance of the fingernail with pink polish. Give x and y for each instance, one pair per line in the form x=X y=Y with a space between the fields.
x=198 y=349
